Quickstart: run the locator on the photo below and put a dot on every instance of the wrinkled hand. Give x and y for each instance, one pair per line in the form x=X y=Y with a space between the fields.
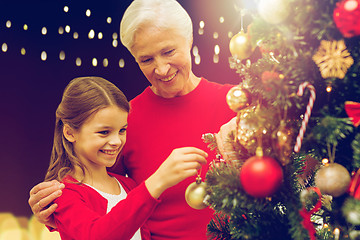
x=181 y=164
x=41 y=198
x=224 y=144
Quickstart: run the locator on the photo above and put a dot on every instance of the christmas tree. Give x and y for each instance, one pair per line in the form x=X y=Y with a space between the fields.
x=291 y=171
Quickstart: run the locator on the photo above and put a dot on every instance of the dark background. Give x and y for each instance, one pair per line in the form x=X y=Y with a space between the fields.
x=31 y=88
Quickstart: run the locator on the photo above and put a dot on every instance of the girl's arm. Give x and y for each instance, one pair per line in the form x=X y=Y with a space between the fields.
x=81 y=213
x=81 y=210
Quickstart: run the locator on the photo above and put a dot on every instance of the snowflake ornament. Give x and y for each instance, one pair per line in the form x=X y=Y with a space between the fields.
x=333 y=59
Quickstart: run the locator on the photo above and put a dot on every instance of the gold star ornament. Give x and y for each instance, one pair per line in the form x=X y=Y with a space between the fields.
x=333 y=59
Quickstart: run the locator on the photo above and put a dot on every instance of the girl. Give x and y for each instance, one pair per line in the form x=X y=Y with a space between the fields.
x=90 y=131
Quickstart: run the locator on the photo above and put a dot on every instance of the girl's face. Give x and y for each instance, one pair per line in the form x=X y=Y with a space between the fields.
x=101 y=137
x=165 y=60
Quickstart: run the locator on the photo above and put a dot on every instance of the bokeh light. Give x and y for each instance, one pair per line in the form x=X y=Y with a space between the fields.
x=43 y=30
x=121 y=63
x=8 y=24
x=91 y=34
x=43 y=55
x=4 y=47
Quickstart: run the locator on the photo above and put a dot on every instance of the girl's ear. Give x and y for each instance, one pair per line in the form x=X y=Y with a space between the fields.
x=69 y=133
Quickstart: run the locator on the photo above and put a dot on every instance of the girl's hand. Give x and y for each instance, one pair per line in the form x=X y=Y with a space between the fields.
x=181 y=164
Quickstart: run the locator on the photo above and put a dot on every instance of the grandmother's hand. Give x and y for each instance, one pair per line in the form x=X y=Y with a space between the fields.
x=223 y=141
x=41 y=201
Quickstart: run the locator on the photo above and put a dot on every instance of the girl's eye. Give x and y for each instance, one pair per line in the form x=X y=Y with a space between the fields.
x=104 y=132
x=123 y=130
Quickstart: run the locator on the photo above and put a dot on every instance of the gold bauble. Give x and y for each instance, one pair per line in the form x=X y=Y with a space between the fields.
x=240 y=46
x=283 y=136
x=195 y=194
x=246 y=135
x=246 y=129
x=238 y=98
x=333 y=179
x=282 y=143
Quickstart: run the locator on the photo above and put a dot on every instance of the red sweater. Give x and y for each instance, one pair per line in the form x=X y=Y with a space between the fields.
x=81 y=212
x=158 y=125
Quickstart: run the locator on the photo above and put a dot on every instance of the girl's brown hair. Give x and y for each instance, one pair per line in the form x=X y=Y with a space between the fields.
x=82 y=97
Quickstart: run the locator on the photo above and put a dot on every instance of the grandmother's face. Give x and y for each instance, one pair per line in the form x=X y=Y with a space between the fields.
x=164 y=58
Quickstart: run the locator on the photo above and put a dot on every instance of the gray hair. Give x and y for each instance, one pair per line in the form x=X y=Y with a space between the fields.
x=163 y=14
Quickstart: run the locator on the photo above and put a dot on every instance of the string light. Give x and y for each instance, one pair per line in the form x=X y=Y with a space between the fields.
x=336 y=233
x=43 y=55
x=121 y=63
x=94 y=62
x=201 y=31
x=91 y=34
x=62 y=55
x=216 y=55
x=329 y=88
x=201 y=24
x=78 y=62
x=67 y=28
x=100 y=35
x=43 y=31
x=115 y=43
x=61 y=30
x=4 y=47
x=75 y=35
x=105 y=62
x=201 y=27
x=325 y=161
x=216 y=58
x=8 y=24
x=195 y=50
x=197 y=59
x=217 y=49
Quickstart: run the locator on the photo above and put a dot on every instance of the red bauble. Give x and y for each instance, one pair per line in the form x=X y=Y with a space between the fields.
x=270 y=78
x=354 y=188
x=352 y=109
x=347 y=17
x=357 y=193
x=261 y=176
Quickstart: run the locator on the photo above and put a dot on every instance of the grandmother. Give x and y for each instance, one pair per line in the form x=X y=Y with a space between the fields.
x=172 y=112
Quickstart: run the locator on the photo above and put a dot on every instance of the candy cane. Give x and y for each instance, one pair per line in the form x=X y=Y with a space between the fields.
x=307 y=113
